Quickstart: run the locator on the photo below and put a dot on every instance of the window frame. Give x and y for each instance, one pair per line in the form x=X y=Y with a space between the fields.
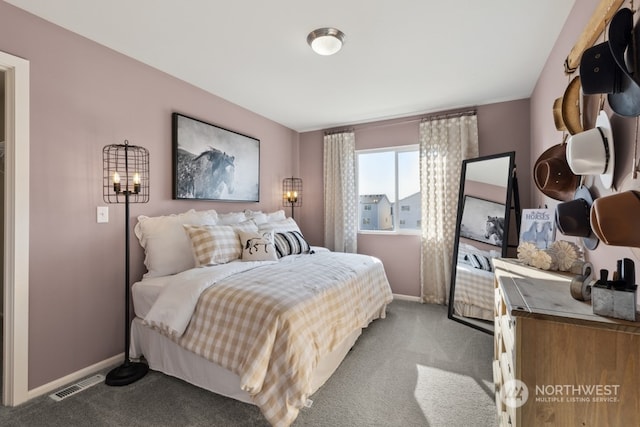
x=396 y=204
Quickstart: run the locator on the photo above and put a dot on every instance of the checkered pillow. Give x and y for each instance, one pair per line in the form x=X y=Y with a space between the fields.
x=213 y=244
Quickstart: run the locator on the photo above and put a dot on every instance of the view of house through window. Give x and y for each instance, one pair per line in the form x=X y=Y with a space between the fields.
x=389 y=188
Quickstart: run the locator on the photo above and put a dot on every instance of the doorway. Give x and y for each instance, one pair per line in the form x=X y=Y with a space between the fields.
x=15 y=295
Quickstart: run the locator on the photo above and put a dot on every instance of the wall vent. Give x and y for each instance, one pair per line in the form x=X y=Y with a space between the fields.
x=77 y=387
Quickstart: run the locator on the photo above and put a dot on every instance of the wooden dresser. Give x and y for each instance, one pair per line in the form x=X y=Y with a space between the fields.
x=555 y=362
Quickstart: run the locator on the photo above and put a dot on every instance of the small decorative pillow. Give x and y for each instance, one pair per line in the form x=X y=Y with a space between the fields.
x=479 y=261
x=257 y=246
x=290 y=243
x=213 y=244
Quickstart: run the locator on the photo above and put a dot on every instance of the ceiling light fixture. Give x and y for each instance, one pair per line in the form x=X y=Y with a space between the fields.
x=326 y=41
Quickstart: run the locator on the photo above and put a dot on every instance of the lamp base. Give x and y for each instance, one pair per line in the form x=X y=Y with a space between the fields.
x=127 y=373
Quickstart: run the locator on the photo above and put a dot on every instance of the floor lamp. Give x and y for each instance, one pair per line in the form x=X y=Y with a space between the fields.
x=126 y=180
x=292 y=193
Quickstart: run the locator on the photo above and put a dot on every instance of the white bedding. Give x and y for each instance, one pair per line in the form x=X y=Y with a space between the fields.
x=269 y=326
x=474 y=292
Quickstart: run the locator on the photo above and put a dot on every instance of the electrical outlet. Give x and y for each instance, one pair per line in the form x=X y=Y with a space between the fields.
x=103 y=214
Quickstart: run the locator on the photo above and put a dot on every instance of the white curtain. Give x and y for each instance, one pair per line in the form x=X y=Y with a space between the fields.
x=340 y=193
x=444 y=143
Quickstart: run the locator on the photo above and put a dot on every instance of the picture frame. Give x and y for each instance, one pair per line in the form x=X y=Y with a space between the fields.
x=483 y=221
x=213 y=163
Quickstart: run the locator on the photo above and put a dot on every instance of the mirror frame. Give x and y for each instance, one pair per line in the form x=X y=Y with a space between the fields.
x=505 y=242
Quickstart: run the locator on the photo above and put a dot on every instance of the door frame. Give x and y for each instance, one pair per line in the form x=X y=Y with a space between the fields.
x=16 y=224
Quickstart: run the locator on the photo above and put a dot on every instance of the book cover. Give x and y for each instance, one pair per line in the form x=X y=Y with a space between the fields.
x=538 y=226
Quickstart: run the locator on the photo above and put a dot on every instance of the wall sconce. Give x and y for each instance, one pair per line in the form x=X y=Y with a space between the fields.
x=292 y=193
x=126 y=180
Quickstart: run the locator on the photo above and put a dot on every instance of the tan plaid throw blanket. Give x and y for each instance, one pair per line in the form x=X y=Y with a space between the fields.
x=271 y=324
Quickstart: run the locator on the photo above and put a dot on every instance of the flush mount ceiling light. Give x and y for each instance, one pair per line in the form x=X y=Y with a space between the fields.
x=326 y=41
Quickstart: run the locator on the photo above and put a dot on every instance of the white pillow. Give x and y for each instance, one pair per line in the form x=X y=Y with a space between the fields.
x=257 y=246
x=167 y=248
x=288 y=224
x=231 y=218
x=276 y=216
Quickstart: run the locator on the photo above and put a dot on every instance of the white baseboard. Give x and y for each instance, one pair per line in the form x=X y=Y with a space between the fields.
x=75 y=376
x=407 y=298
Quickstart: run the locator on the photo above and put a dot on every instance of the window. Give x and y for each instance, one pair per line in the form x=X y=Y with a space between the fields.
x=389 y=183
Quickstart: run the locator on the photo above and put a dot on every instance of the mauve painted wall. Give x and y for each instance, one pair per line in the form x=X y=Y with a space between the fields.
x=501 y=127
x=551 y=85
x=83 y=97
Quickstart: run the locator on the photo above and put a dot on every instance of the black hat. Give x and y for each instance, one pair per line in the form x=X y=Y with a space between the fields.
x=572 y=218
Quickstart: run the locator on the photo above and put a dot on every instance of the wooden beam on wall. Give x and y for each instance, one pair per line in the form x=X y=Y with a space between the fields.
x=597 y=23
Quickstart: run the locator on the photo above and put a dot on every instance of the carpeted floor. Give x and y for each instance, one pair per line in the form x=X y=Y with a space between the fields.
x=414 y=368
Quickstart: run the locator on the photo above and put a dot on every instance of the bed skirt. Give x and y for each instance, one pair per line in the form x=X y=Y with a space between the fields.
x=165 y=356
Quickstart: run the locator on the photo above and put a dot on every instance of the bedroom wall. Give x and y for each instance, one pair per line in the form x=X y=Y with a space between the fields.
x=83 y=97
x=551 y=85
x=501 y=127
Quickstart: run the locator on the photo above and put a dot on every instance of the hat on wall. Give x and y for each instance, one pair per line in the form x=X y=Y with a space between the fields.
x=571 y=107
x=557 y=115
x=603 y=68
x=599 y=72
x=592 y=152
x=552 y=174
x=614 y=219
x=572 y=218
x=625 y=102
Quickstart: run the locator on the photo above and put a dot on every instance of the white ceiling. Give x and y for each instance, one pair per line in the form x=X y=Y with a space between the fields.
x=401 y=57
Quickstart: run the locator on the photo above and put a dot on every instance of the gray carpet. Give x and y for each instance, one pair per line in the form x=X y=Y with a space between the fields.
x=414 y=368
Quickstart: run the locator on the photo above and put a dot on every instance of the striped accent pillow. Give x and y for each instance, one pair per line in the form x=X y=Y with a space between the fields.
x=479 y=261
x=290 y=243
x=213 y=244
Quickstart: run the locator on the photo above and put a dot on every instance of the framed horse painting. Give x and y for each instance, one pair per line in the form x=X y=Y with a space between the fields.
x=213 y=163
x=483 y=220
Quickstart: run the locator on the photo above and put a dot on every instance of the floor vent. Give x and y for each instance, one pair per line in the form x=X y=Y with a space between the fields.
x=77 y=387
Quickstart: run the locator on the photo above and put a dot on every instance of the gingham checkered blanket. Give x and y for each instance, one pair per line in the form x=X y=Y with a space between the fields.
x=270 y=325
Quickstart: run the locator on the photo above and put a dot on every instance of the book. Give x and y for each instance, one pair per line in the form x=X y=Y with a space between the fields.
x=538 y=226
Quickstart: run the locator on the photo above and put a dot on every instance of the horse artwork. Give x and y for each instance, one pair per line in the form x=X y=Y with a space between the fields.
x=483 y=220
x=494 y=230
x=208 y=175
x=212 y=163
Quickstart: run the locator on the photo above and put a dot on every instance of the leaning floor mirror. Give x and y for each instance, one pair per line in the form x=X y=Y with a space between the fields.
x=482 y=233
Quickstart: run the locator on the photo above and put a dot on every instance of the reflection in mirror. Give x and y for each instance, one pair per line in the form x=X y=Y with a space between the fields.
x=482 y=233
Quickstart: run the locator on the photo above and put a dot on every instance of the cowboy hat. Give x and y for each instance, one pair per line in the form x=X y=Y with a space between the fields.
x=614 y=219
x=571 y=107
x=566 y=109
x=552 y=174
x=572 y=218
x=603 y=68
x=592 y=152
x=622 y=34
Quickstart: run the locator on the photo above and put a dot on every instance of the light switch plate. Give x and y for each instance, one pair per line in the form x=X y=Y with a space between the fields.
x=103 y=214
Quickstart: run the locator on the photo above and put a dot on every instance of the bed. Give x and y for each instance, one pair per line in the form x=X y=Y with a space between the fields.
x=474 y=283
x=264 y=329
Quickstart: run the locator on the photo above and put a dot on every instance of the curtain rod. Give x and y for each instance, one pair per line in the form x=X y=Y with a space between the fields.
x=334 y=132
x=439 y=116
x=434 y=116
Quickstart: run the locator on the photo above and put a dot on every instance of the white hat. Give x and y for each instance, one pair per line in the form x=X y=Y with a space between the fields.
x=592 y=152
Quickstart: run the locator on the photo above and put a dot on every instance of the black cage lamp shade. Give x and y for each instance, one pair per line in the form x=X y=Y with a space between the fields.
x=292 y=193
x=126 y=173
x=126 y=180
